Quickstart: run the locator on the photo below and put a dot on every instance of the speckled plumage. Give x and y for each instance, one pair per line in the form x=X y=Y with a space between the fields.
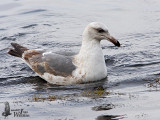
x=88 y=65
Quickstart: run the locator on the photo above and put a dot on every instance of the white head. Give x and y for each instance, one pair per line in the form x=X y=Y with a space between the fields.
x=98 y=31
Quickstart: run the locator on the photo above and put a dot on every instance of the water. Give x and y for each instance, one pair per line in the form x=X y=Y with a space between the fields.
x=131 y=91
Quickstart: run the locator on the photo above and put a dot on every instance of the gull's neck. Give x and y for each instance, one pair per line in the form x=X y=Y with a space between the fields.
x=90 y=60
x=90 y=45
x=91 y=51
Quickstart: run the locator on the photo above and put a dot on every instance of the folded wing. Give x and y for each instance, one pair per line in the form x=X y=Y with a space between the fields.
x=42 y=62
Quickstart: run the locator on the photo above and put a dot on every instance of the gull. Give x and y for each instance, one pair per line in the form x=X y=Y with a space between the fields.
x=86 y=66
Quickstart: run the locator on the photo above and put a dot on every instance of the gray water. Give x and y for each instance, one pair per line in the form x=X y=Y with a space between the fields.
x=132 y=89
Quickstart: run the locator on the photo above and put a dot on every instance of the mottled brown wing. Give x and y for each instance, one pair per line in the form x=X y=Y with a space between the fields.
x=56 y=64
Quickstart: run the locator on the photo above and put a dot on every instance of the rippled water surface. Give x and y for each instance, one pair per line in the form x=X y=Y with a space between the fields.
x=132 y=89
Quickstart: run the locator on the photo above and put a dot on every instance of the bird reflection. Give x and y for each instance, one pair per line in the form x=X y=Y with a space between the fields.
x=107 y=117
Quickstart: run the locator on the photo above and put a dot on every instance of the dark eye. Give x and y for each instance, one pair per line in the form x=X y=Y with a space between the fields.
x=100 y=30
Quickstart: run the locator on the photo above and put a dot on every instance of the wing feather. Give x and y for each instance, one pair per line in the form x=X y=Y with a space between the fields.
x=56 y=64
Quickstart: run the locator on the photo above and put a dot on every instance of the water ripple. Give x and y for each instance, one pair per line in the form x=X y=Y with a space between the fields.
x=34 y=11
x=30 y=26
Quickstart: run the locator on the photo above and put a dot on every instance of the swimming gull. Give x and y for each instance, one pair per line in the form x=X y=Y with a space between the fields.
x=88 y=65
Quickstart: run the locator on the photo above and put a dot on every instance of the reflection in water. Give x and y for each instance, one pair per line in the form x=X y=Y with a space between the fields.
x=103 y=107
x=92 y=86
x=108 y=117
